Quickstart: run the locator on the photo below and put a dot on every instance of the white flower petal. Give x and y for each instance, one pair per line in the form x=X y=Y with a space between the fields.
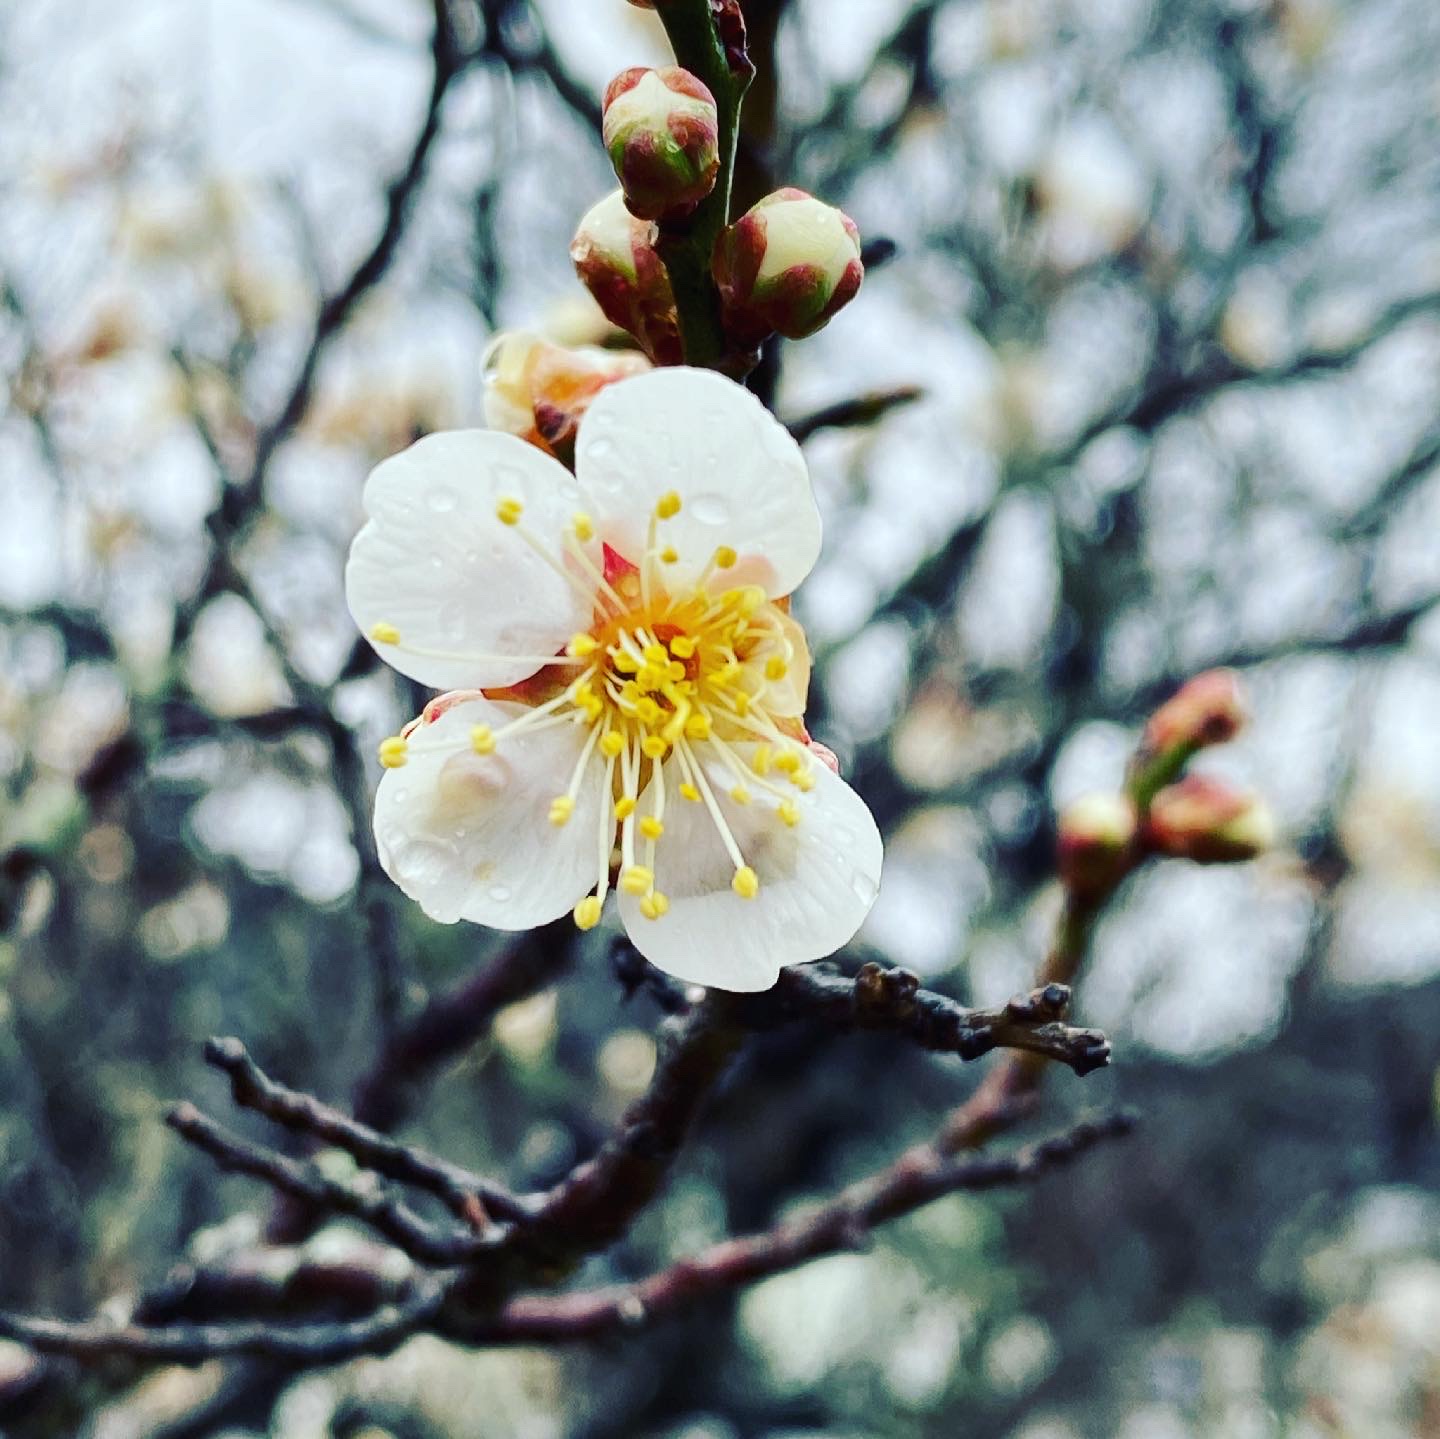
x=468 y=836
x=741 y=478
x=817 y=882
x=463 y=590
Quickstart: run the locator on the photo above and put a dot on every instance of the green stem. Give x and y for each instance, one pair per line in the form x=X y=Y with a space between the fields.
x=687 y=250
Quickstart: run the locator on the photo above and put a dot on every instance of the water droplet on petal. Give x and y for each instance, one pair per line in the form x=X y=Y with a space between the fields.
x=499 y=893
x=710 y=508
x=441 y=499
x=452 y=622
x=865 y=888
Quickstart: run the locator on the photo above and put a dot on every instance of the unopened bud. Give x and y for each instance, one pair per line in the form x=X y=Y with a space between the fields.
x=541 y=391
x=787 y=265
x=1206 y=710
x=1096 y=833
x=662 y=132
x=615 y=257
x=1209 y=820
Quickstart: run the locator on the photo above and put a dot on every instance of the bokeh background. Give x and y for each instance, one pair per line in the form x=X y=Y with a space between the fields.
x=1167 y=273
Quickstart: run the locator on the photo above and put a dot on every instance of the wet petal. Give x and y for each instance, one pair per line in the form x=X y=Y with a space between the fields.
x=817 y=882
x=467 y=836
x=741 y=478
x=463 y=591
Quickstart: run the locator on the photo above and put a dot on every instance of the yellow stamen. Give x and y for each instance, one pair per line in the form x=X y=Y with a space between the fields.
x=582 y=646
x=587 y=912
x=561 y=808
x=725 y=558
x=654 y=905
x=394 y=752
x=682 y=647
x=384 y=634
x=697 y=727
x=584 y=528
x=668 y=506
x=611 y=743
x=651 y=827
x=787 y=761
x=789 y=812
x=654 y=746
x=624 y=807
x=746 y=882
x=775 y=668
x=482 y=739
x=637 y=880
x=760 y=760
x=509 y=510
x=740 y=794
x=689 y=791
x=669 y=555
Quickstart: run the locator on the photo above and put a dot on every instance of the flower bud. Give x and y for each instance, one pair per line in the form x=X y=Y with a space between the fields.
x=662 y=132
x=1095 y=837
x=787 y=265
x=614 y=255
x=1207 y=819
x=1206 y=710
x=541 y=391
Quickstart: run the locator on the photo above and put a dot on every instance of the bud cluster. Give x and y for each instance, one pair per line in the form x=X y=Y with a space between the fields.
x=1198 y=817
x=785 y=267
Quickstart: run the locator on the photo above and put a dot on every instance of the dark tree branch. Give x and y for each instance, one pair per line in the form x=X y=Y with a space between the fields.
x=917 y=1178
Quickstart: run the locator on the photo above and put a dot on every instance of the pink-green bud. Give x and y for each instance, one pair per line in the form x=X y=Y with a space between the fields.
x=1206 y=710
x=1096 y=833
x=787 y=265
x=662 y=132
x=615 y=257
x=1207 y=819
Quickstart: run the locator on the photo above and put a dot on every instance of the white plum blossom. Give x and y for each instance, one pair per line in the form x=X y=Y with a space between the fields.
x=626 y=685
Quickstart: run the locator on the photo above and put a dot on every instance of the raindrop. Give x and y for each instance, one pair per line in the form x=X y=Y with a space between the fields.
x=865 y=888
x=710 y=509
x=452 y=622
x=600 y=449
x=441 y=499
x=499 y=893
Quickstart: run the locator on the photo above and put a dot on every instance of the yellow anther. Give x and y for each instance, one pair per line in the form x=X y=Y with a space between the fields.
x=667 y=506
x=654 y=747
x=624 y=661
x=740 y=794
x=637 y=880
x=384 y=634
x=688 y=791
x=593 y=706
x=582 y=646
x=697 y=727
x=630 y=692
x=725 y=558
x=611 y=743
x=655 y=655
x=624 y=807
x=751 y=598
x=803 y=780
x=669 y=555
x=682 y=647
x=742 y=703
x=789 y=812
x=482 y=739
x=787 y=761
x=647 y=711
x=654 y=905
x=746 y=882
x=587 y=912
x=674 y=671
x=761 y=760
x=651 y=827
x=561 y=808
x=775 y=668
x=584 y=528
x=393 y=752
x=509 y=510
